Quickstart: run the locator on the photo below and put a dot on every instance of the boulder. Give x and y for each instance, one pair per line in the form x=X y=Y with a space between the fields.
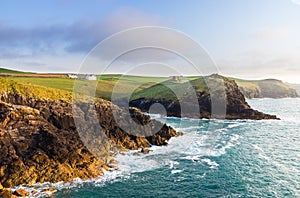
x=49 y=191
x=21 y=193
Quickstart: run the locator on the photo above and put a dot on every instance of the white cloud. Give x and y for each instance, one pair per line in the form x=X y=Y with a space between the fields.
x=296 y=1
x=63 y=46
x=273 y=34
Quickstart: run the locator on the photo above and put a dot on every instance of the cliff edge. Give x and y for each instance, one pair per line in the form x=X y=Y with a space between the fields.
x=222 y=93
x=39 y=141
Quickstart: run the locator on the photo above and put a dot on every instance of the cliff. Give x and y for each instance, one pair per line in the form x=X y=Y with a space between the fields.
x=39 y=141
x=269 y=88
x=225 y=93
x=296 y=87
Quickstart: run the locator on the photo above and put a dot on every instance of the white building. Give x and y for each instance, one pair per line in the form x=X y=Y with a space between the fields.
x=176 y=78
x=91 y=77
x=72 y=76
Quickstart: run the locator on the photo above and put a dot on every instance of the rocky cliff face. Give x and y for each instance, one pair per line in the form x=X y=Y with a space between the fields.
x=269 y=88
x=39 y=141
x=235 y=105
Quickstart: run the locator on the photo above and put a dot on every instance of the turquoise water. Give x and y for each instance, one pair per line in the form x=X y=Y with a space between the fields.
x=240 y=159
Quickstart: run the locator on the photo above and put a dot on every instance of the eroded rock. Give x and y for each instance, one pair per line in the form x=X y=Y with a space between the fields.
x=40 y=142
x=21 y=193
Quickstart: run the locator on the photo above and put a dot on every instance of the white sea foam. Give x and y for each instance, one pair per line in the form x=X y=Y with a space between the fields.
x=176 y=171
x=172 y=164
x=76 y=183
x=210 y=163
x=234 y=125
x=192 y=146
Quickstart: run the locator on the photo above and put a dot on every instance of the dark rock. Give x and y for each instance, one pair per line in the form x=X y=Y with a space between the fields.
x=230 y=99
x=136 y=154
x=146 y=151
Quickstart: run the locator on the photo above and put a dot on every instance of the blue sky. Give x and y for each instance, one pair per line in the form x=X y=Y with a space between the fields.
x=246 y=38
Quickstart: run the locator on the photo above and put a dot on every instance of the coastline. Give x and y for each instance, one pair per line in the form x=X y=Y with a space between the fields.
x=51 y=136
x=47 y=128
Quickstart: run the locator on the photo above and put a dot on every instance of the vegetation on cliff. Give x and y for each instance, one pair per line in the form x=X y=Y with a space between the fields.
x=269 y=88
x=40 y=142
x=223 y=91
x=296 y=87
x=10 y=71
x=36 y=91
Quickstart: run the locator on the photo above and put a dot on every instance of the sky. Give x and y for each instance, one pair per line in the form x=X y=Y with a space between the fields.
x=251 y=39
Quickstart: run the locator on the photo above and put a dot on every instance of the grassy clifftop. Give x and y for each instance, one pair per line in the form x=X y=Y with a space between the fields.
x=269 y=88
x=166 y=90
x=28 y=89
x=215 y=96
x=10 y=71
x=104 y=88
x=296 y=87
x=122 y=85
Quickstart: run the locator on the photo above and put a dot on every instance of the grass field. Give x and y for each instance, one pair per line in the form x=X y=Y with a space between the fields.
x=170 y=90
x=105 y=85
x=147 y=87
x=28 y=89
x=9 y=71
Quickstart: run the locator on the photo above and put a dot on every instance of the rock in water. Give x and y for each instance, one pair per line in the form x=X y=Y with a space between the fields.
x=21 y=193
x=49 y=191
x=223 y=95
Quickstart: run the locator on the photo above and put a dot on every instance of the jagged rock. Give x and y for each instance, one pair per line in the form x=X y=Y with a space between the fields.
x=33 y=192
x=146 y=151
x=49 y=191
x=40 y=142
x=6 y=193
x=268 y=88
x=226 y=95
x=136 y=154
x=21 y=193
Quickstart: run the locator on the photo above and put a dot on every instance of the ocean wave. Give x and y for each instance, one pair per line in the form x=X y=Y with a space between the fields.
x=176 y=171
x=75 y=183
x=210 y=163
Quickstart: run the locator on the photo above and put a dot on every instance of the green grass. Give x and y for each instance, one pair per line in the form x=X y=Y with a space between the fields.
x=148 y=87
x=263 y=88
x=143 y=87
x=27 y=89
x=56 y=83
x=9 y=71
x=137 y=79
x=170 y=90
x=105 y=86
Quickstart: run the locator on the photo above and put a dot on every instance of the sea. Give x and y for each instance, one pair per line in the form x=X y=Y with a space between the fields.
x=214 y=158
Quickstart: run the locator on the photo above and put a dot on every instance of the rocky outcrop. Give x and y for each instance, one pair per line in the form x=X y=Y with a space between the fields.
x=226 y=94
x=295 y=87
x=269 y=88
x=40 y=142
